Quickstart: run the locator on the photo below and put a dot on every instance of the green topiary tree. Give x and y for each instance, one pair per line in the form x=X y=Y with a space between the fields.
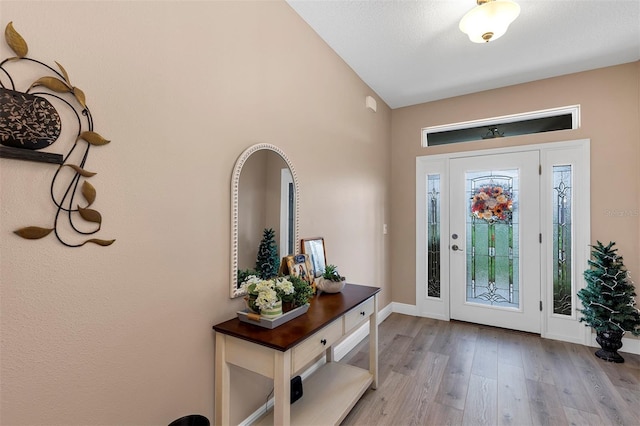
x=608 y=298
x=608 y=301
x=268 y=261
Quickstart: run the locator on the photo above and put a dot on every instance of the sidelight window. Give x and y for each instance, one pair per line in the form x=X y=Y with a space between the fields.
x=433 y=236
x=562 y=205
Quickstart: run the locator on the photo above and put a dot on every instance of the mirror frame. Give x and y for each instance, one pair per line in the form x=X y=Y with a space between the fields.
x=235 y=193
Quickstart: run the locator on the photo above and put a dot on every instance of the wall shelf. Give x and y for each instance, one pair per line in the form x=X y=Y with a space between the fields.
x=29 y=155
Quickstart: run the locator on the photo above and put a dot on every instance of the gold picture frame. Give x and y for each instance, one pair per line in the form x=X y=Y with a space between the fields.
x=299 y=265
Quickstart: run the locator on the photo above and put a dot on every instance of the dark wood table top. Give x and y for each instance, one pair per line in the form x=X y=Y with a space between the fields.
x=323 y=310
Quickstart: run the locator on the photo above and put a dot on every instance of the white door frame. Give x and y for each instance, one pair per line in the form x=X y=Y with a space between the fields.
x=577 y=154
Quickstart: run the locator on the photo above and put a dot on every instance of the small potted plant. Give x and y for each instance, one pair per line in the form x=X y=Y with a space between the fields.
x=608 y=301
x=331 y=281
x=303 y=292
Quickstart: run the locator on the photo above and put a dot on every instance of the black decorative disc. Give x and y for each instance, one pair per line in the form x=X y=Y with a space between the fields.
x=27 y=121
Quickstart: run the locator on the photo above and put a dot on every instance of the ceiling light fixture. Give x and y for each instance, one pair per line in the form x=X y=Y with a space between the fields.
x=489 y=20
x=493 y=133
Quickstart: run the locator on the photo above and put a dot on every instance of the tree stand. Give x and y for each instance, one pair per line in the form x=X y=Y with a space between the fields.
x=610 y=341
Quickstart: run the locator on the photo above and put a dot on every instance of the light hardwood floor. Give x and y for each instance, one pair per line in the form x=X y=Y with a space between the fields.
x=455 y=373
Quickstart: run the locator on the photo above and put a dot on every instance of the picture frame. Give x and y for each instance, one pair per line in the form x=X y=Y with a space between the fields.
x=315 y=249
x=299 y=265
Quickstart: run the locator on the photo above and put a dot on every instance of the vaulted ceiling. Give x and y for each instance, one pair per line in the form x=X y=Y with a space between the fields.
x=412 y=52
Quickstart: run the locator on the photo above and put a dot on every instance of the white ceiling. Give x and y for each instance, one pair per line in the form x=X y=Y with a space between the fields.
x=410 y=52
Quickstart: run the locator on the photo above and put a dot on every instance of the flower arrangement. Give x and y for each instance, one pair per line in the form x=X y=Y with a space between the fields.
x=266 y=295
x=491 y=203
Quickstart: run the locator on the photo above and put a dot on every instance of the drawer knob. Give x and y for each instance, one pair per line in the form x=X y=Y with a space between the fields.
x=362 y=313
x=323 y=341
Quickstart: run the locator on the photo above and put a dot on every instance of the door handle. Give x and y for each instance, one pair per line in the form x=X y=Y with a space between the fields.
x=455 y=248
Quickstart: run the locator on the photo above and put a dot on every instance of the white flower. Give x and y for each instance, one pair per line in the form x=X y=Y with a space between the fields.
x=285 y=286
x=264 y=285
x=267 y=298
x=252 y=279
x=266 y=293
x=244 y=287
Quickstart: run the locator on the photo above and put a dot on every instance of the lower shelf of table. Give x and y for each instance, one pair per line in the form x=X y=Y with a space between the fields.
x=328 y=395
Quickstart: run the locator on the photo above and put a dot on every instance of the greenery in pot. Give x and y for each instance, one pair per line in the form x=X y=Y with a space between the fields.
x=331 y=281
x=303 y=291
x=608 y=301
x=331 y=273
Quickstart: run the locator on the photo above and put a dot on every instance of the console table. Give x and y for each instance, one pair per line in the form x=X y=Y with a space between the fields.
x=281 y=353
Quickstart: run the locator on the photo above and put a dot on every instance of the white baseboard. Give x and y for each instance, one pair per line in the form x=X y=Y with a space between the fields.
x=564 y=338
x=384 y=313
x=403 y=308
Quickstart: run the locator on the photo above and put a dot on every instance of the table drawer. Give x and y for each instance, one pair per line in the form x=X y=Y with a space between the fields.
x=358 y=315
x=315 y=345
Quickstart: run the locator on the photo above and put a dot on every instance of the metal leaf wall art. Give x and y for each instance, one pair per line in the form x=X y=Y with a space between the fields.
x=29 y=121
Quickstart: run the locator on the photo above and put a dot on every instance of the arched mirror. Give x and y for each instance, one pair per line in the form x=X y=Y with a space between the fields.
x=264 y=194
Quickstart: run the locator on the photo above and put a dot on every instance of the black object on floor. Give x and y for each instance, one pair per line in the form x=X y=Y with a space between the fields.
x=296 y=389
x=191 y=420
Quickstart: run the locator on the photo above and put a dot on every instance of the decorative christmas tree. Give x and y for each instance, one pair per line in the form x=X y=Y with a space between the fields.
x=608 y=301
x=268 y=261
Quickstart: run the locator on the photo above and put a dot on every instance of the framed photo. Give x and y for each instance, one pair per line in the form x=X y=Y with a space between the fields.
x=300 y=266
x=314 y=247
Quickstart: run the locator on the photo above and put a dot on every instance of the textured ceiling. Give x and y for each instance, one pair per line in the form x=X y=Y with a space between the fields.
x=410 y=52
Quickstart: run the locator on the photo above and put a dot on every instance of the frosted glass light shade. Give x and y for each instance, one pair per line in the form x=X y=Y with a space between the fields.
x=489 y=21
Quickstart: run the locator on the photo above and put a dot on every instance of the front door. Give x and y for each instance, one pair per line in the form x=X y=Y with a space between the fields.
x=494 y=247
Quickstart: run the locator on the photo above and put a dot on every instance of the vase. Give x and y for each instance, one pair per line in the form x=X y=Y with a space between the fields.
x=273 y=312
x=328 y=286
x=287 y=306
x=610 y=342
x=250 y=300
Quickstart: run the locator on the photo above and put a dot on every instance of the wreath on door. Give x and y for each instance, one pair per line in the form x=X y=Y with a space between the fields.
x=491 y=203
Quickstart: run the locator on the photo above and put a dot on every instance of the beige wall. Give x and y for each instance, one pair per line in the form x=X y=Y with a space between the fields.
x=610 y=106
x=122 y=335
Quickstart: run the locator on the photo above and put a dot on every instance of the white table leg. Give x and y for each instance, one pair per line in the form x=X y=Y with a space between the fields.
x=373 y=343
x=223 y=383
x=282 y=388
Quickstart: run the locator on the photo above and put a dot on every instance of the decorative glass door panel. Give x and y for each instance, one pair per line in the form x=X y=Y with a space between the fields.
x=494 y=248
x=433 y=236
x=492 y=238
x=562 y=234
